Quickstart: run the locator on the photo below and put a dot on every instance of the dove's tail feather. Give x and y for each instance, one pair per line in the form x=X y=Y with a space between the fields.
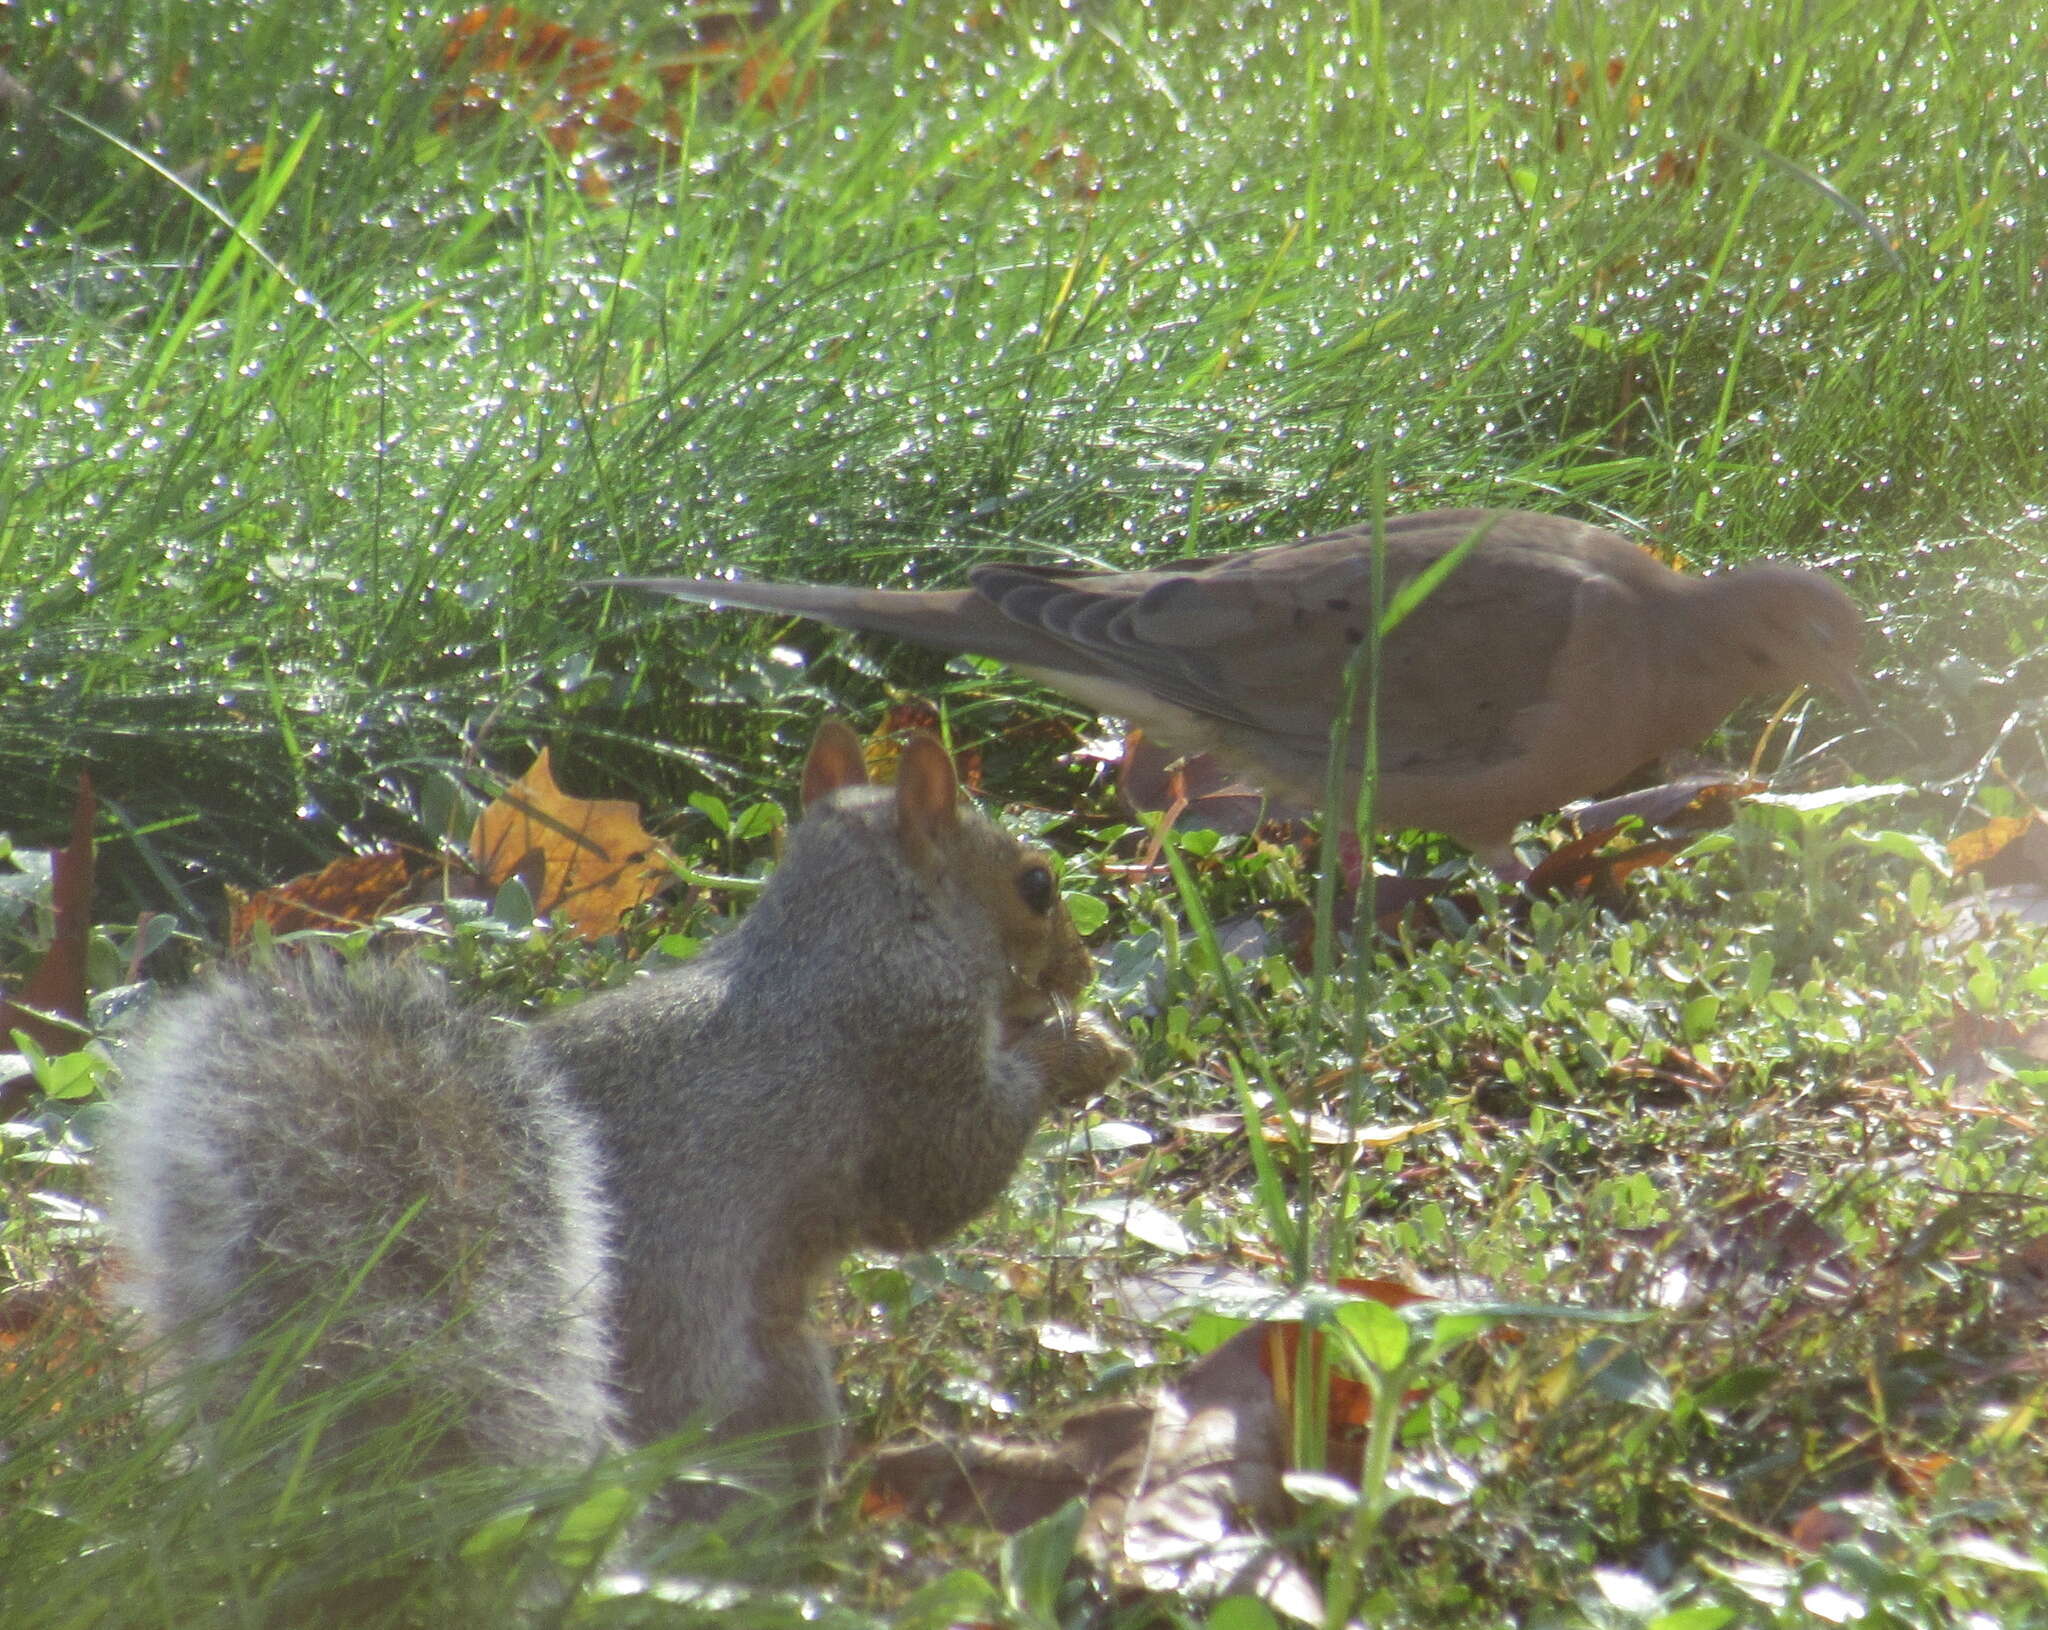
x=944 y=619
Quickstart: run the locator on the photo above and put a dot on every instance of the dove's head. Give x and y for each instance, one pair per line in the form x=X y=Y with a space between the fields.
x=1795 y=626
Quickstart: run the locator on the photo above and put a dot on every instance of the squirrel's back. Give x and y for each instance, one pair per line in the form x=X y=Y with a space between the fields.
x=279 y=1130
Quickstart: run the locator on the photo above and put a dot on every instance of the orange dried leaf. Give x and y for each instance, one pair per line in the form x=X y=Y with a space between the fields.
x=1067 y=166
x=58 y=983
x=1818 y=1527
x=1915 y=1476
x=884 y=745
x=1975 y=850
x=1388 y=1292
x=620 y=115
x=913 y=713
x=881 y=1501
x=885 y=742
x=347 y=893
x=588 y=858
x=767 y=78
x=1587 y=865
x=1279 y=1356
x=1576 y=868
x=464 y=29
x=50 y=1326
x=1678 y=166
x=509 y=39
x=564 y=84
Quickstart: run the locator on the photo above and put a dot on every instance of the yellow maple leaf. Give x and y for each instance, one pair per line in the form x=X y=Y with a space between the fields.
x=588 y=858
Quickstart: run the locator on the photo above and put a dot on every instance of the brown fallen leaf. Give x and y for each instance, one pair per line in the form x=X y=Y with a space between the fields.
x=1065 y=166
x=1596 y=861
x=983 y=1481
x=588 y=858
x=769 y=77
x=1963 y=1048
x=596 y=103
x=1693 y=803
x=1179 y=1488
x=884 y=744
x=1390 y=1292
x=57 y=985
x=589 y=100
x=1679 y=167
x=1187 y=1513
x=1195 y=789
x=1589 y=865
x=1990 y=915
x=1350 y=1405
x=351 y=892
x=1749 y=1251
x=1818 y=1527
x=1349 y=1410
x=1914 y=1477
x=53 y=1330
x=2009 y=851
x=535 y=56
x=1184 y=1489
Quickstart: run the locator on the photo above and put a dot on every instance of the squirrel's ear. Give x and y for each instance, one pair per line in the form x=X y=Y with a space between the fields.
x=927 y=791
x=835 y=761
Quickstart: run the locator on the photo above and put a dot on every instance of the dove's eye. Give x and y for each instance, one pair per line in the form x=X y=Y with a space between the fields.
x=1035 y=887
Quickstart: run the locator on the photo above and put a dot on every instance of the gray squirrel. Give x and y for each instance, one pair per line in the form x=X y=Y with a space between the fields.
x=594 y=1230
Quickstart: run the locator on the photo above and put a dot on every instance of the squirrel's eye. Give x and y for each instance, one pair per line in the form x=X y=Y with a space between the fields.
x=1035 y=888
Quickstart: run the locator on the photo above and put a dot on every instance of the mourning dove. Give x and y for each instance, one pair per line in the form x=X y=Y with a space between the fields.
x=1553 y=659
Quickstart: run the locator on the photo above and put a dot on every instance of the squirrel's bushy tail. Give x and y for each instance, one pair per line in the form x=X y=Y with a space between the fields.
x=349 y=1145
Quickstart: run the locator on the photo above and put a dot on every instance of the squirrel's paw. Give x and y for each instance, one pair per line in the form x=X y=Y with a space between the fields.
x=1075 y=1056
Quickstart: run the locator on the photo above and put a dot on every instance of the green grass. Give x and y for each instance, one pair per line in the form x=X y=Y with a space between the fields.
x=303 y=460
x=298 y=523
